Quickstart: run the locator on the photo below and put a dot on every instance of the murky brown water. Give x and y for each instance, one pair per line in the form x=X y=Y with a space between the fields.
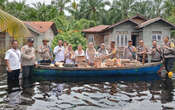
x=90 y=94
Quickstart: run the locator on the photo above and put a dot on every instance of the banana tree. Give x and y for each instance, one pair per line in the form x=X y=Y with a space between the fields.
x=13 y=26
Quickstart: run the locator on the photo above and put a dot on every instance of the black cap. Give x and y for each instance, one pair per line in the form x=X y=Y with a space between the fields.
x=30 y=40
x=113 y=42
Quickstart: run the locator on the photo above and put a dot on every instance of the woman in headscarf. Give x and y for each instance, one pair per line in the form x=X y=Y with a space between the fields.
x=79 y=54
x=69 y=55
x=90 y=53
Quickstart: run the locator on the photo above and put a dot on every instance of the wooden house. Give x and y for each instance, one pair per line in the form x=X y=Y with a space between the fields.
x=135 y=28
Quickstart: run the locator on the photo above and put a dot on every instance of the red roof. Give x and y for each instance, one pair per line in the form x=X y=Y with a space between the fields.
x=40 y=26
x=96 y=29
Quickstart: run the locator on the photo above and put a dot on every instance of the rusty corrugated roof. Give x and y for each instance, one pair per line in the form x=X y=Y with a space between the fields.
x=96 y=29
x=148 y=22
x=40 y=26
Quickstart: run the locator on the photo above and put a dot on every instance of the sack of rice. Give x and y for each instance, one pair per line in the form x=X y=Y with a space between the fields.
x=125 y=61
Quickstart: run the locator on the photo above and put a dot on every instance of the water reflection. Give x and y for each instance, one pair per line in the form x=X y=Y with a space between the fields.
x=123 y=93
x=167 y=91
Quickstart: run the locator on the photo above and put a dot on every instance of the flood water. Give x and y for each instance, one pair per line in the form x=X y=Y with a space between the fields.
x=120 y=93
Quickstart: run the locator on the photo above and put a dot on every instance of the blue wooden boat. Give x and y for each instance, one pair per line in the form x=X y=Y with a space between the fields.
x=146 y=69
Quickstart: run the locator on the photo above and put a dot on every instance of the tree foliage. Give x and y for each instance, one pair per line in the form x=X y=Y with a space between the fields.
x=70 y=30
x=73 y=15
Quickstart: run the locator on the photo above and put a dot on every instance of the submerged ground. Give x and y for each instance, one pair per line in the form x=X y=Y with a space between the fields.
x=135 y=93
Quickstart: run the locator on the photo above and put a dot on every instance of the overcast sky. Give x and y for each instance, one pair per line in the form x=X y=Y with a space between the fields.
x=34 y=1
x=30 y=2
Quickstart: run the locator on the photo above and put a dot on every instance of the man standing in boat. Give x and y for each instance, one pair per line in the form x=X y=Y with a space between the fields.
x=13 y=62
x=142 y=50
x=168 y=53
x=156 y=53
x=28 y=58
x=130 y=51
x=45 y=52
x=59 y=52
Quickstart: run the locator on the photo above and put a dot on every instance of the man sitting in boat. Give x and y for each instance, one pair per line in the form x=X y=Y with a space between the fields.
x=45 y=52
x=130 y=51
x=142 y=50
x=90 y=54
x=69 y=55
x=168 y=53
x=59 y=52
x=112 y=51
x=156 y=53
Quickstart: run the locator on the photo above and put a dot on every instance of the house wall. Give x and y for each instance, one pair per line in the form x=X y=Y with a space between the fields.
x=125 y=27
x=5 y=41
x=98 y=38
x=39 y=37
x=107 y=38
x=158 y=26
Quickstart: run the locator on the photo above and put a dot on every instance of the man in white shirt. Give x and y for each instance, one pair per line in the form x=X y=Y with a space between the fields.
x=59 y=52
x=13 y=62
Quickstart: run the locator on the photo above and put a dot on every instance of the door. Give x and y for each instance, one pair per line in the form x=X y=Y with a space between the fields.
x=134 y=40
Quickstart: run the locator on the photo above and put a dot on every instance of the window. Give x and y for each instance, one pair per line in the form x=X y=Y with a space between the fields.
x=91 y=38
x=157 y=35
x=122 y=39
x=118 y=40
x=126 y=40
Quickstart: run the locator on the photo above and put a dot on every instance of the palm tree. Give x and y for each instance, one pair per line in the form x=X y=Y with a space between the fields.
x=168 y=7
x=17 y=9
x=45 y=12
x=3 y=4
x=74 y=11
x=13 y=26
x=124 y=6
x=61 y=5
x=110 y=16
x=143 y=8
x=91 y=9
x=158 y=7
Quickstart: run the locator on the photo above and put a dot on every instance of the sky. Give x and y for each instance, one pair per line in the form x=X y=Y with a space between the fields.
x=29 y=2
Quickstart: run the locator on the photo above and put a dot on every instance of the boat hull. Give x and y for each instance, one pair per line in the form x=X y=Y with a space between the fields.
x=93 y=72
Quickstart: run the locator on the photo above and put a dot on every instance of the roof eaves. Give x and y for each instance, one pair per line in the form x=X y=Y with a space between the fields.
x=138 y=15
x=34 y=30
x=146 y=23
x=55 y=31
x=121 y=22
